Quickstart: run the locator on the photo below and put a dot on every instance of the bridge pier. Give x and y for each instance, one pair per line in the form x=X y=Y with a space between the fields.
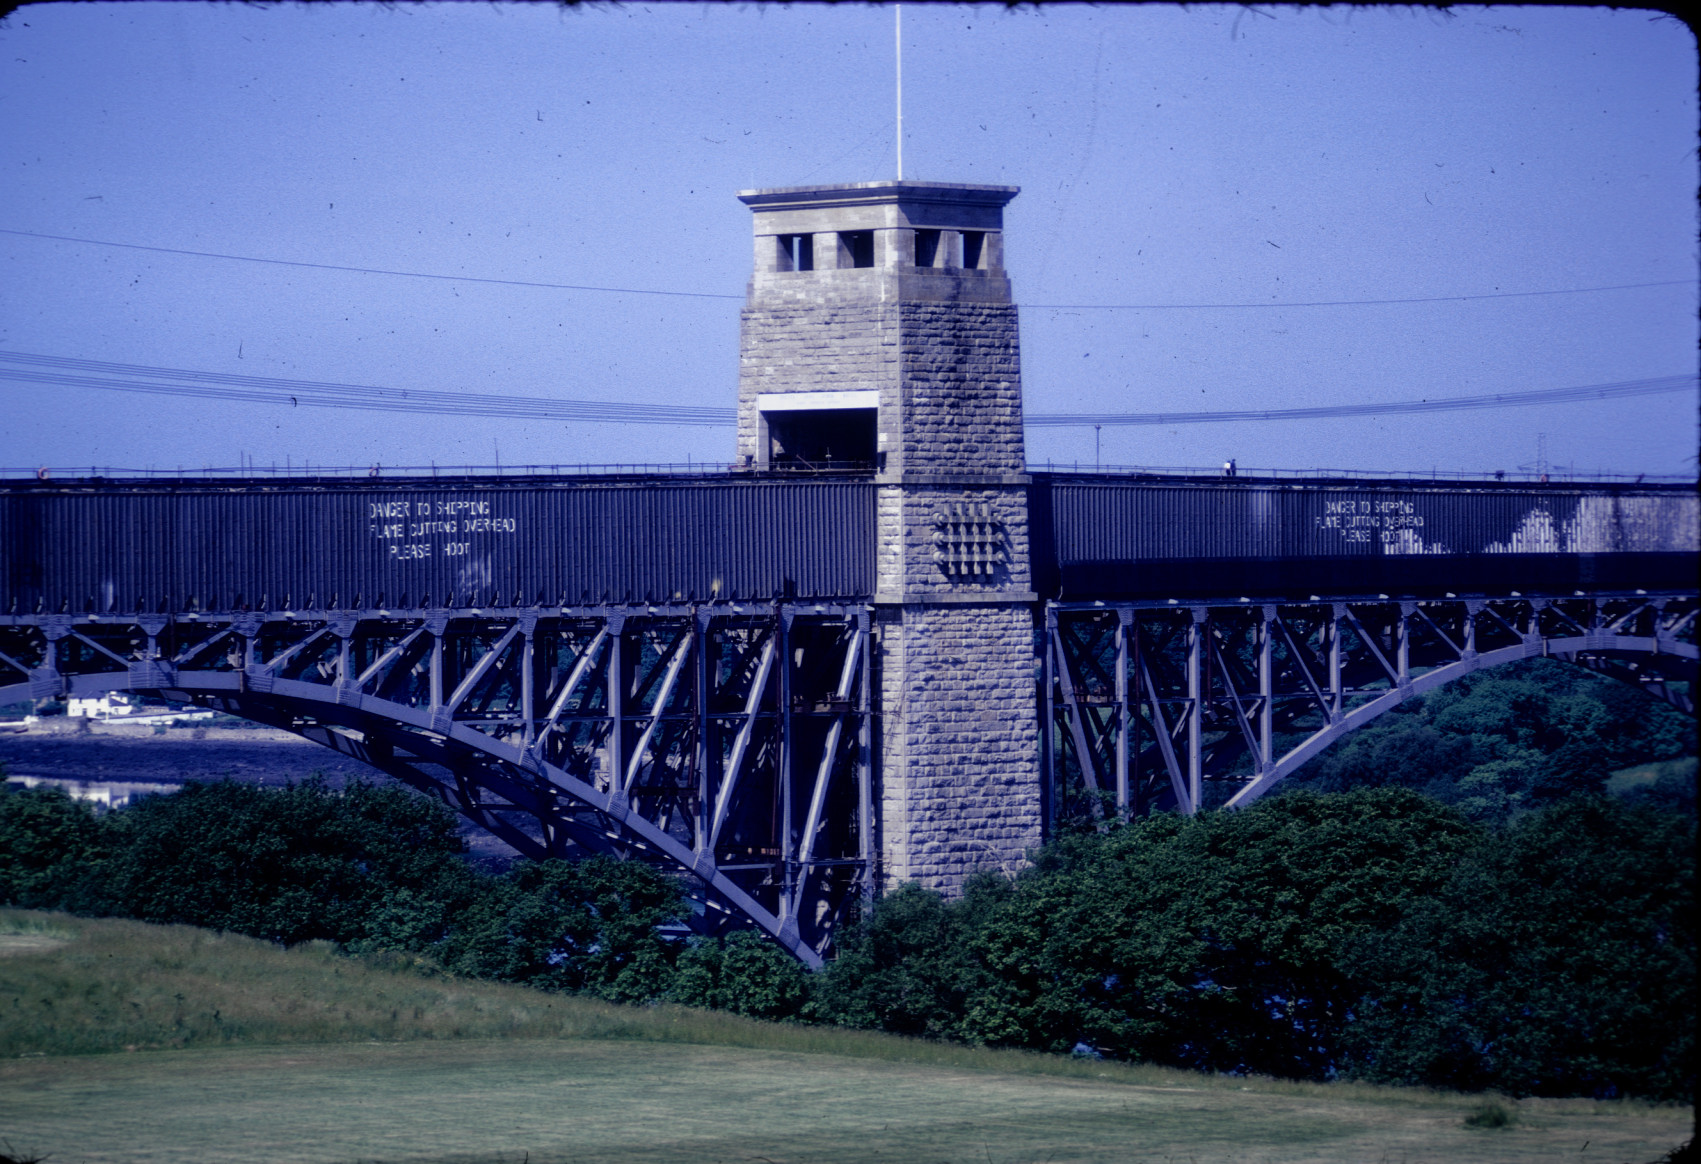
x=891 y=335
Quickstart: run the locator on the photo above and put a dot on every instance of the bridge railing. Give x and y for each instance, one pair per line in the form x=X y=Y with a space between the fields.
x=308 y=472
x=315 y=472
x=1240 y=472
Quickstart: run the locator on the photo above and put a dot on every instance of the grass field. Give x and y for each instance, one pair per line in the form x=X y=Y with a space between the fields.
x=133 y=1043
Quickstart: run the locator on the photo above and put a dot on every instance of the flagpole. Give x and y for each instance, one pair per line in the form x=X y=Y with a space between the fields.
x=898 y=36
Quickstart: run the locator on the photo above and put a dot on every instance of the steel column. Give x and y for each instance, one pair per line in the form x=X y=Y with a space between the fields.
x=788 y=872
x=1123 y=620
x=1195 y=707
x=1266 y=689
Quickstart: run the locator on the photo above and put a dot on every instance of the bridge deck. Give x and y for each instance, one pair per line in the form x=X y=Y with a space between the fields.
x=94 y=545
x=217 y=545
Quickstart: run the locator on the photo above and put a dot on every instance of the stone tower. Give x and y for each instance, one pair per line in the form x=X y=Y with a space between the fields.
x=879 y=329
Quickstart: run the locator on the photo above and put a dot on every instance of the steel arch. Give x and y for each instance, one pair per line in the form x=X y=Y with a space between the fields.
x=1153 y=705
x=728 y=742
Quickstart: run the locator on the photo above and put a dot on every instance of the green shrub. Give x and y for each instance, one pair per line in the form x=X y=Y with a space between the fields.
x=907 y=967
x=365 y=864
x=48 y=843
x=744 y=973
x=585 y=926
x=1488 y=1114
x=1559 y=959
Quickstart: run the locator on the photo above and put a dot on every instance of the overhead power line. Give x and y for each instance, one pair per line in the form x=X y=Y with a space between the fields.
x=1653 y=387
x=66 y=372
x=369 y=270
x=723 y=295
x=1346 y=302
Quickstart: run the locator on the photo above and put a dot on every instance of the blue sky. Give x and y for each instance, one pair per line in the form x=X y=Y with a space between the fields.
x=1166 y=157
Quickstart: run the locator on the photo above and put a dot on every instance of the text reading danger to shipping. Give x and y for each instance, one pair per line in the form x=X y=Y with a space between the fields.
x=420 y=528
x=1355 y=520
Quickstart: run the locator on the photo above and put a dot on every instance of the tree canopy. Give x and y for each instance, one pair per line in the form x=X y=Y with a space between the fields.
x=1509 y=739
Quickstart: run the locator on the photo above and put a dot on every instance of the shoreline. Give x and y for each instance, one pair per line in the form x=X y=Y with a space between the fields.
x=109 y=763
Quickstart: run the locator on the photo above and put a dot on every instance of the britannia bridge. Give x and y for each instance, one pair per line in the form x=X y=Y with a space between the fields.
x=876 y=649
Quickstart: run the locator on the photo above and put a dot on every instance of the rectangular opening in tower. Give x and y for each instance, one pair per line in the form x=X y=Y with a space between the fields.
x=796 y=252
x=859 y=245
x=827 y=438
x=974 y=248
x=926 y=248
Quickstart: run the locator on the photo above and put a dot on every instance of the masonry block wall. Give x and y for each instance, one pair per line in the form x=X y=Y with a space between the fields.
x=833 y=341
x=891 y=297
x=959 y=742
x=962 y=388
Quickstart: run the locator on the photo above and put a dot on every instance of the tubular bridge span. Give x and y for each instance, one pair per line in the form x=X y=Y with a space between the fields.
x=685 y=670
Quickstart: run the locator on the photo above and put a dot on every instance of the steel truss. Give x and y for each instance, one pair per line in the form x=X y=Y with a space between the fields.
x=1151 y=706
x=729 y=742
